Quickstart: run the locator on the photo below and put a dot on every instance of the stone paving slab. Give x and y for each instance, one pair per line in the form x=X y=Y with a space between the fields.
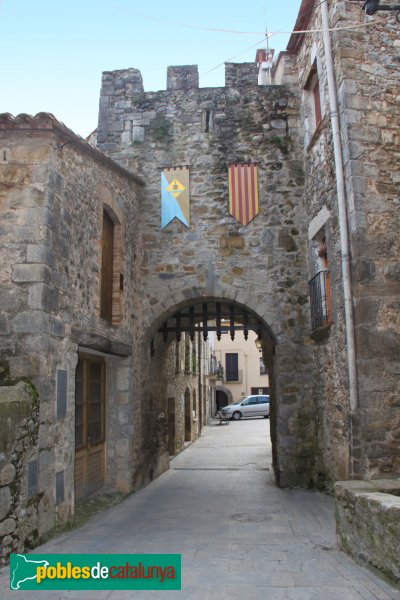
x=239 y=535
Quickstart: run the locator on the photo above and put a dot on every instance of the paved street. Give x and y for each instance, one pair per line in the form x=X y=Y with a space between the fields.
x=240 y=537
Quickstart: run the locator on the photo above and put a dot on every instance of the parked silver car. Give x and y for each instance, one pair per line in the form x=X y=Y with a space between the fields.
x=248 y=406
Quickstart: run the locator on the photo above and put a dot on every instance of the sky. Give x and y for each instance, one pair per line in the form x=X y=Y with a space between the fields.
x=53 y=52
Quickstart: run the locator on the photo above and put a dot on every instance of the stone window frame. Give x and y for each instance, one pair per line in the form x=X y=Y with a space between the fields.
x=115 y=214
x=313 y=106
x=318 y=237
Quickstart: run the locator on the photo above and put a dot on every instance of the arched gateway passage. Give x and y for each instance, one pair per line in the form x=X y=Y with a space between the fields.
x=181 y=364
x=175 y=360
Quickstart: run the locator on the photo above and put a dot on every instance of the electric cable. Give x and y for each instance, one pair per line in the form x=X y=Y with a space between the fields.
x=235 y=31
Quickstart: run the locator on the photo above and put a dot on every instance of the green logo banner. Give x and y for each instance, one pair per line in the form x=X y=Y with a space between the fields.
x=95 y=572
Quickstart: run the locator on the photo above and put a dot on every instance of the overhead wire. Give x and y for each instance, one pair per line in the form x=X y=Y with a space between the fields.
x=234 y=31
x=266 y=35
x=269 y=34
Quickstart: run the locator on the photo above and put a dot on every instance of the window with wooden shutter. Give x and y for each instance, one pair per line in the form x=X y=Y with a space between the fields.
x=232 y=366
x=107 y=262
x=313 y=108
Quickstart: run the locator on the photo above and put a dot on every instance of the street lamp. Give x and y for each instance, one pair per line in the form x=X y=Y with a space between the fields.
x=220 y=372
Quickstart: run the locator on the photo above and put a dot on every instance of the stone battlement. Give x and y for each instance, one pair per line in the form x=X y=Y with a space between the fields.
x=128 y=82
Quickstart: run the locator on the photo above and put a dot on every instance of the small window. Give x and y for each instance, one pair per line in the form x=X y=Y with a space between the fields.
x=107 y=268
x=320 y=284
x=232 y=366
x=112 y=279
x=312 y=98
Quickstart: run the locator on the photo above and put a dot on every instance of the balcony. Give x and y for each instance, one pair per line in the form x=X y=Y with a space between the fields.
x=321 y=307
x=234 y=377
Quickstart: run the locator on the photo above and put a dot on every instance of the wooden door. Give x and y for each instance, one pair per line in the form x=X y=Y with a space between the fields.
x=89 y=426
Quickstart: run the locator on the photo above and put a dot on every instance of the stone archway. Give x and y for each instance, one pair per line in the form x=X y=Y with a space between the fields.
x=287 y=358
x=223 y=396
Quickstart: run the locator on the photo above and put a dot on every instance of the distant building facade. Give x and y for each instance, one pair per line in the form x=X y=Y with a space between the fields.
x=243 y=368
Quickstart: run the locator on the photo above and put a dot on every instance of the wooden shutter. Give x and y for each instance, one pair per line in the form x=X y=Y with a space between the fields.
x=231 y=362
x=107 y=268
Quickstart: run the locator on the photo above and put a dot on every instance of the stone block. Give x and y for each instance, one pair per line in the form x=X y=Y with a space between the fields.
x=124 y=481
x=123 y=379
x=122 y=398
x=57 y=327
x=25 y=273
x=126 y=137
x=368 y=523
x=137 y=133
x=278 y=124
x=39 y=253
x=365 y=271
x=392 y=271
x=124 y=414
x=366 y=310
x=122 y=448
x=11 y=298
x=7 y=526
x=7 y=474
x=43 y=297
x=5 y=502
x=182 y=77
x=31 y=322
x=364 y=133
x=236 y=241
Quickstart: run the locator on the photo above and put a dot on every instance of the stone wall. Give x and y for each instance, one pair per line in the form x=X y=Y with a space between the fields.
x=53 y=192
x=21 y=507
x=168 y=377
x=368 y=523
x=365 y=62
x=368 y=78
x=262 y=266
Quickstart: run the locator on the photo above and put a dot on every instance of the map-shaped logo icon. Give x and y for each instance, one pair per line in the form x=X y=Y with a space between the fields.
x=23 y=569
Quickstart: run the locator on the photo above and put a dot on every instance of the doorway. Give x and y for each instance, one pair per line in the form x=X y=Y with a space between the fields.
x=89 y=425
x=221 y=399
x=188 y=418
x=171 y=427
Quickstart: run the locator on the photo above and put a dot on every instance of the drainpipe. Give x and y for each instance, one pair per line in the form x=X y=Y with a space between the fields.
x=342 y=207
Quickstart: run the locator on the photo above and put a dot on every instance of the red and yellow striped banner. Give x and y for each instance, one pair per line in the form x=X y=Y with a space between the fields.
x=243 y=192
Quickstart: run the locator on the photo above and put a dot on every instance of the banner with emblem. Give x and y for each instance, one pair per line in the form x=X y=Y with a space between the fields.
x=175 y=196
x=243 y=191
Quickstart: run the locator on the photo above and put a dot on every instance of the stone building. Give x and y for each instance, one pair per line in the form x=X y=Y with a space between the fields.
x=104 y=313
x=243 y=368
x=351 y=200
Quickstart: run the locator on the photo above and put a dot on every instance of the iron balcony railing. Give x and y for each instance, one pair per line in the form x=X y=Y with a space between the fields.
x=320 y=298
